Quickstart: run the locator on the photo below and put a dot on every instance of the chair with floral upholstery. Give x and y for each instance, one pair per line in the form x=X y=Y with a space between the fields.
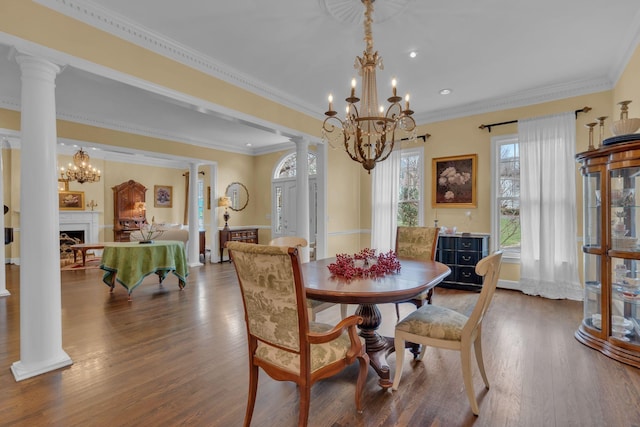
x=281 y=339
x=314 y=306
x=441 y=327
x=419 y=243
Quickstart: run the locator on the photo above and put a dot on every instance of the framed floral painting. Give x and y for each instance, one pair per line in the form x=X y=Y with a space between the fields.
x=454 y=181
x=162 y=196
x=71 y=200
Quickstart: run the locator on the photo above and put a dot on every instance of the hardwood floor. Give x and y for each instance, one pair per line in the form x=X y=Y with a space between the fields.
x=175 y=357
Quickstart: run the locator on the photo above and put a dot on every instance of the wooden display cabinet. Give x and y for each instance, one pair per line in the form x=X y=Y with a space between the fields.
x=125 y=218
x=611 y=215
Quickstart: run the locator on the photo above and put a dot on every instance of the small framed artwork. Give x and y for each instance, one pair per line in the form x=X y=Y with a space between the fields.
x=454 y=181
x=63 y=185
x=162 y=196
x=208 y=197
x=71 y=200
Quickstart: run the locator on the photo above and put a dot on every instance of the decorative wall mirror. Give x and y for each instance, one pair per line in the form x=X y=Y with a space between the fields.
x=239 y=196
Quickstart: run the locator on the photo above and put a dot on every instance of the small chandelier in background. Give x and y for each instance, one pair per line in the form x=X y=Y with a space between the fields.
x=369 y=134
x=81 y=170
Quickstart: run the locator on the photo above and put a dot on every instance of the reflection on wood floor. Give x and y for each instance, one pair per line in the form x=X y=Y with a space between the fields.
x=175 y=357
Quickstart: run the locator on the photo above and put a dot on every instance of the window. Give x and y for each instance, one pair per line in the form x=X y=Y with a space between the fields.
x=505 y=191
x=287 y=167
x=410 y=190
x=201 y=197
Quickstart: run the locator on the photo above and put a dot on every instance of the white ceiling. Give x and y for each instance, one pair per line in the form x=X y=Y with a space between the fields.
x=493 y=54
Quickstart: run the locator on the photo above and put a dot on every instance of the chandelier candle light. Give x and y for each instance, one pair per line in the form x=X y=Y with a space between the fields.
x=81 y=170
x=369 y=134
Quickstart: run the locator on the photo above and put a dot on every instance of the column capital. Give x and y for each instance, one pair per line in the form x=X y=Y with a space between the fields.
x=37 y=67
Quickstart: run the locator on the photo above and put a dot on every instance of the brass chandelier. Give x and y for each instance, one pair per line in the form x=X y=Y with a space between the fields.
x=81 y=170
x=368 y=134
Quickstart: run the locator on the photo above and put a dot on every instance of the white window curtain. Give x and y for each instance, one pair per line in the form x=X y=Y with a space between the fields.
x=384 y=221
x=549 y=265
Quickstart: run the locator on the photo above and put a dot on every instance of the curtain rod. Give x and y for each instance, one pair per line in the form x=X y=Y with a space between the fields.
x=581 y=110
x=423 y=137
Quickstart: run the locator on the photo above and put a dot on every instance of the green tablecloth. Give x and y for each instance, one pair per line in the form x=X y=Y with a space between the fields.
x=129 y=263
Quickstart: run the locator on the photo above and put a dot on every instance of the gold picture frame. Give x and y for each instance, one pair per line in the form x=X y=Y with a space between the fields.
x=162 y=196
x=71 y=200
x=454 y=182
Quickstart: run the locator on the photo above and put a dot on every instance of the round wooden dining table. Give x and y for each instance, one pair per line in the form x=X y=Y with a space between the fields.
x=413 y=278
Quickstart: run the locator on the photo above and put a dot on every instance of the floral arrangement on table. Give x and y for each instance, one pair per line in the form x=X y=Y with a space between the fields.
x=364 y=264
x=150 y=231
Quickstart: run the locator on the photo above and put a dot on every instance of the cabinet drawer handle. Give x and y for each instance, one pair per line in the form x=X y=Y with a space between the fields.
x=466 y=258
x=466 y=275
x=466 y=245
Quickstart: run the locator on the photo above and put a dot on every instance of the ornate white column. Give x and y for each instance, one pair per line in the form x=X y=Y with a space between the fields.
x=3 y=278
x=40 y=297
x=194 y=229
x=302 y=184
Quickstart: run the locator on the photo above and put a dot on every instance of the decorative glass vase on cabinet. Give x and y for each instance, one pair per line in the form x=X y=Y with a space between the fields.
x=611 y=217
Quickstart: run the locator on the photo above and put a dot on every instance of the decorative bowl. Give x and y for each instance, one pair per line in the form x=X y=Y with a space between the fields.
x=625 y=126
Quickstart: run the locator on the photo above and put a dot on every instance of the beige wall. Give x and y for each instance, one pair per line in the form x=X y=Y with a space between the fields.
x=349 y=187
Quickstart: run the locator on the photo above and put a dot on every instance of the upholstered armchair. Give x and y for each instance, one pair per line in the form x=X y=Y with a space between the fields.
x=419 y=243
x=314 y=306
x=442 y=327
x=281 y=339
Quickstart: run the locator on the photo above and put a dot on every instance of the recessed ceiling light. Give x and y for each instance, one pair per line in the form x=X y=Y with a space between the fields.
x=248 y=144
x=445 y=91
x=413 y=54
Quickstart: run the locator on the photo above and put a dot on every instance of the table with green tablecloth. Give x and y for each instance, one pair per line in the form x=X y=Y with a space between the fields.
x=129 y=263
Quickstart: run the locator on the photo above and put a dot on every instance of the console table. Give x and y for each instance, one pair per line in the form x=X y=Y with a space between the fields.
x=246 y=235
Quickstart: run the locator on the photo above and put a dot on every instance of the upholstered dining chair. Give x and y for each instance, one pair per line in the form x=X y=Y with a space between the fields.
x=442 y=327
x=419 y=243
x=281 y=339
x=314 y=306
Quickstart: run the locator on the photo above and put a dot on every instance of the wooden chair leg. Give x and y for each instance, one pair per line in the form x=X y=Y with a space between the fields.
x=465 y=356
x=477 y=345
x=399 y=345
x=343 y=310
x=251 y=398
x=362 y=379
x=305 y=397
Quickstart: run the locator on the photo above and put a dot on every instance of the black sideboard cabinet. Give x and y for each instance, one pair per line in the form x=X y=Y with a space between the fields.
x=461 y=253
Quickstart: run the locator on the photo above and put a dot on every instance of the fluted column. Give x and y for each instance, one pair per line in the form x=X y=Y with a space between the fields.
x=194 y=229
x=40 y=298
x=302 y=199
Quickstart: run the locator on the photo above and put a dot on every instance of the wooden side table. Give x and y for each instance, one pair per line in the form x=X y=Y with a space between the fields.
x=83 y=248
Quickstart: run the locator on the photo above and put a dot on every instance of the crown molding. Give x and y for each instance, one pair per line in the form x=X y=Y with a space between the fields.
x=520 y=99
x=119 y=26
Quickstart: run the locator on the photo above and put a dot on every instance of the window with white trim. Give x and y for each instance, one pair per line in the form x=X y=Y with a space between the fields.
x=505 y=195
x=410 y=190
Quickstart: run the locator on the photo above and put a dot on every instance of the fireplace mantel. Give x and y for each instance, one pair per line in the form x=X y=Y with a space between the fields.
x=86 y=221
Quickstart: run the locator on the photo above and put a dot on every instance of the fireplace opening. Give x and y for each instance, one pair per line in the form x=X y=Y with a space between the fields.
x=67 y=239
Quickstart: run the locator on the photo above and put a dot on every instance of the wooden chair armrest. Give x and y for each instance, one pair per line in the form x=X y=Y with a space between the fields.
x=348 y=323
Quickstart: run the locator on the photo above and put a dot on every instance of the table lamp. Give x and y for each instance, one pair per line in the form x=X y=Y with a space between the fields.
x=225 y=202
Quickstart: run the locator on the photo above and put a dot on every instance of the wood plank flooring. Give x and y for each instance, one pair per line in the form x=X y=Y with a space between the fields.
x=173 y=357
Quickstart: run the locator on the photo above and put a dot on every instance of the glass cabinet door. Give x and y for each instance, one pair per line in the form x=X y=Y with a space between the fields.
x=592 y=291
x=592 y=210
x=625 y=299
x=625 y=269
x=624 y=212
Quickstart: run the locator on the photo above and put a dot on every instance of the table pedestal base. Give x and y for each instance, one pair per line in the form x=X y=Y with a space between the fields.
x=378 y=347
